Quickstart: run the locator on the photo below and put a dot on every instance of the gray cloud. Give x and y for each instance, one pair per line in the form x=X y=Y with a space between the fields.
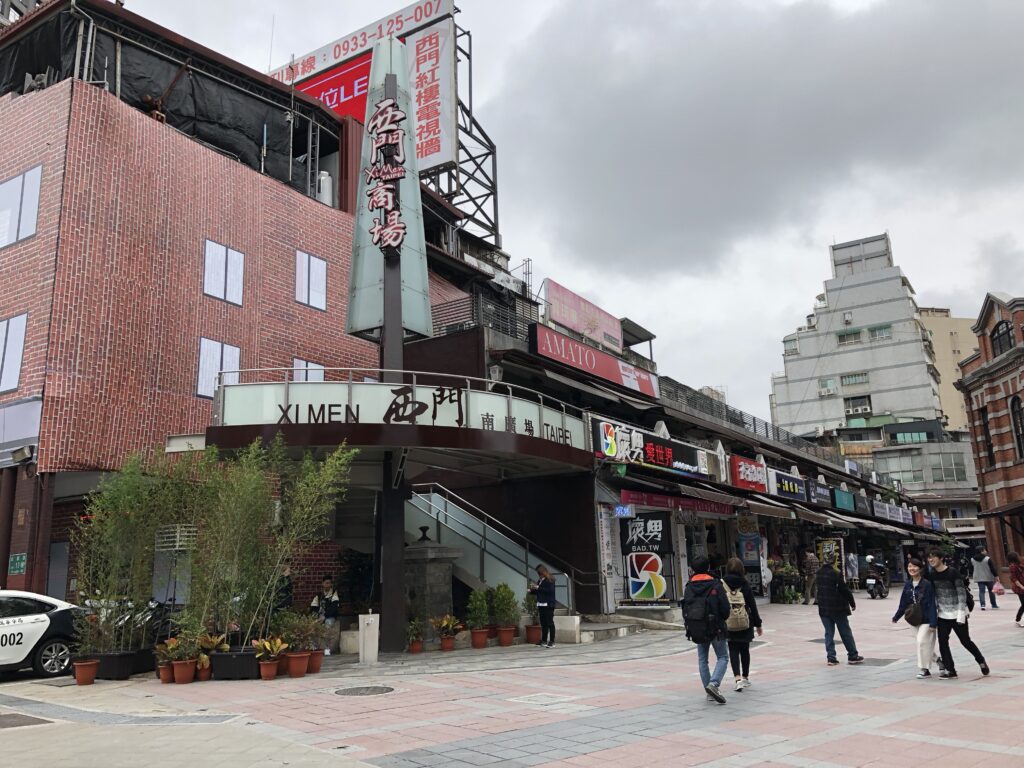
x=663 y=133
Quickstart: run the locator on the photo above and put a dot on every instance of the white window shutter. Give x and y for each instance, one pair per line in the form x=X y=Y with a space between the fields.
x=30 y=203
x=12 y=353
x=209 y=364
x=213 y=277
x=314 y=372
x=301 y=277
x=235 y=276
x=317 y=283
x=231 y=362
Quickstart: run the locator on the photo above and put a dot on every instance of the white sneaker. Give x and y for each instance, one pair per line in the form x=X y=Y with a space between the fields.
x=745 y=683
x=327 y=651
x=739 y=685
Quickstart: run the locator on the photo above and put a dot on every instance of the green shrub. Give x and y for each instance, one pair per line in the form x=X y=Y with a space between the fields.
x=477 y=614
x=506 y=607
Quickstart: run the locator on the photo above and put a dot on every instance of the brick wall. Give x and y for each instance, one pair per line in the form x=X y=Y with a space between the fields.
x=33 y=131
x=21 y=530
x=442 y=291
x=129 y=309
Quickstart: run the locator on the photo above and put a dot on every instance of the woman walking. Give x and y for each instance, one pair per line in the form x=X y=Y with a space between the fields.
x=545 y=592
x=743 y=619
x=1017 y=582
x=917 y=606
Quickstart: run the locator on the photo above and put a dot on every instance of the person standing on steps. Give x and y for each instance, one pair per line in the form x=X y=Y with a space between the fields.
x=951 y=606
x=810 y=570
x=742 y=621
x=327 y=606
x=835 y=603
x=1017 y=582
x=544 y=589
x=984 y=575
x=922 y=618
x=704 y=612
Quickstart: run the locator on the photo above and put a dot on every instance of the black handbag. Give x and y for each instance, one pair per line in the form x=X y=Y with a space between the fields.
x=914 y=616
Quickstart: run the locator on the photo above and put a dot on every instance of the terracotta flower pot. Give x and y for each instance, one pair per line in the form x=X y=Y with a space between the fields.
x=479 y=637
x=166 y=672
x=447 y=643
x=492 y=631
x=297 y=663
x=505 y=635
x=204 y=673
x=415 y=646
x=85 y=671
x=533 y=633
x=268 y=669
x=184 y=671
x=316 y=660
x=282 y=665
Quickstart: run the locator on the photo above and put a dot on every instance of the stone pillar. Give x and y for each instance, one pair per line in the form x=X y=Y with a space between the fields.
x=428 y=581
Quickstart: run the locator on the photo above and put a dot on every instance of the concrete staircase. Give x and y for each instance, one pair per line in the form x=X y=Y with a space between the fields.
x=596 y=631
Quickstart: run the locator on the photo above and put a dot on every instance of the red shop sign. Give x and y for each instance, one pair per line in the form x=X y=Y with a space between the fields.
x=748 y=474
x=663 y=501
x=583 y=357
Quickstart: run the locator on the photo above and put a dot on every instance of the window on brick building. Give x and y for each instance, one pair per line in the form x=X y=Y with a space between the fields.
x=303 y=370
x=310 y=280
x=214 y=357
x=19 y=206
x=12 y=345
x=1002 y=338
x=986 y=432
x=1017 y=416
x=223 y=272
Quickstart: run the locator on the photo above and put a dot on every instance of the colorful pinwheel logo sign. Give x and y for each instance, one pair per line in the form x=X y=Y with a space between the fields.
x=644 y=576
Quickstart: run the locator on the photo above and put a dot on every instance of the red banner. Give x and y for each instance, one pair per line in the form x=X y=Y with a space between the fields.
x=662 y=501
x=747 y=473
x=343 y=88
x=583 y=357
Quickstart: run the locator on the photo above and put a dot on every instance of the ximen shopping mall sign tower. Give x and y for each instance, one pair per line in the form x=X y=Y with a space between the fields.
x=388 y=295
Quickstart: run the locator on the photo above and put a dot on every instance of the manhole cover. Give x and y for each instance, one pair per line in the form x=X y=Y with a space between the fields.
x=365 y=690
x=18 y=720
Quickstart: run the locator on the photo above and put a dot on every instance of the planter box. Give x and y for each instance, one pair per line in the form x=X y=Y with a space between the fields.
x=115 y=666
x=235 y=665
x=144 y=660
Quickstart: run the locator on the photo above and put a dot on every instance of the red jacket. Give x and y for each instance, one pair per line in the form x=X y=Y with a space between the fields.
x=1017 y=577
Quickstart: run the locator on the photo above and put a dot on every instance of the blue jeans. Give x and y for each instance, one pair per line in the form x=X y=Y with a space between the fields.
x=721 y=646
x=982 y=586
x=845 y=633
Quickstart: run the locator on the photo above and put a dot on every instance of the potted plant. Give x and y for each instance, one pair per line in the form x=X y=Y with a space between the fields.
x=530 y=610
x=492 y=624
x=208 y=644
x=164 y=669
x=85 y=664
x=414 y=635
x=506 y=612
x=268 y=651
x=477 y=617
x=447 y=627
x=319 y=637
x=299 y=631
x=183 y=651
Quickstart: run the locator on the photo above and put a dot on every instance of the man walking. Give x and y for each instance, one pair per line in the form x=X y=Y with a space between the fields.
x=705 y=609
x=835 y=602
x=951 y=604
x=984 y=575
x=810 y=570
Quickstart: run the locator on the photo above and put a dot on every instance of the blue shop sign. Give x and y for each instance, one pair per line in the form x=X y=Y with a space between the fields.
x=788 y=486
x=819 y=493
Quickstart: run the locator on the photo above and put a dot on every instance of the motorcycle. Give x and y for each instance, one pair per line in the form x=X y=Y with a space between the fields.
x=877 y=584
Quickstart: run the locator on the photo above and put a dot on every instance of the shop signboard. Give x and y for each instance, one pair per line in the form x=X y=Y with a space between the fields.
x=748 y=474
x=786 y=486
x=591 y=360
x=629 y=445
x=338 y=74
x=819 y=493
x=16 y=564
x=906 y=516
x=678 y=503
x=862 y=504
x=919 y=519
x=572 y=311
x=831 y=550
x=843 y=500
x=749 y=539
x=625 y=511
x=880 y=509
x=644 y=578
x=649 y=532
x=936 y=524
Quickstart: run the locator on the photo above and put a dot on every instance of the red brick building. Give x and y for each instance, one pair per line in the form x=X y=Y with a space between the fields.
x=135 y=263
x=993 y=389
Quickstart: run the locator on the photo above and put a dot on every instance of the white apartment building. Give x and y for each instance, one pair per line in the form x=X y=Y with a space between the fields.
x=863 y=358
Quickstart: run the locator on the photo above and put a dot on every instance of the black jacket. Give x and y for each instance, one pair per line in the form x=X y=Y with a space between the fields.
x=732 y=581
x=834 y=597
x=703 y=586
x=546 y=592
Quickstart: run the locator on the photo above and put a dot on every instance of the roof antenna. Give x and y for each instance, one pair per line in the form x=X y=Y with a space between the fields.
x=270 y=56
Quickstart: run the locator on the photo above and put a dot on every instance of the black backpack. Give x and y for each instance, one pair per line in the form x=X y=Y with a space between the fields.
x=702 y=624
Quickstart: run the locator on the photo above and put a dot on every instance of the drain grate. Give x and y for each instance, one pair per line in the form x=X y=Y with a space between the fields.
x=364 y=690
x=18 y=720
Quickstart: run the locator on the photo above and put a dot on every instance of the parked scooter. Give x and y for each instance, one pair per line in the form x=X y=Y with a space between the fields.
x=877 y=582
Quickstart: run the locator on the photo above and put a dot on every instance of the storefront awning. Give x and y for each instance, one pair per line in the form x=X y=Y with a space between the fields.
x=1013 y=508
x=871 y=524
x=838 y=522
x=803 y=513
x=762 y=505
x=695 y=492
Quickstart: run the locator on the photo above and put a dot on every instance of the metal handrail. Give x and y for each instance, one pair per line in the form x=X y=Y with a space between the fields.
x=493 y=522
x=481 y=541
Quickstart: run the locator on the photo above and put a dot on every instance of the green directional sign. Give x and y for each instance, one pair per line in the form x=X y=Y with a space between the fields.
x=16 y=564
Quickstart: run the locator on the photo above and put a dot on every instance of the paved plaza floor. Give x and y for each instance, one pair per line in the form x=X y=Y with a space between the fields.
x=634 y=701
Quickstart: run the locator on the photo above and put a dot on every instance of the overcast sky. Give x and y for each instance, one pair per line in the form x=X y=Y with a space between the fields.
x=687 y=163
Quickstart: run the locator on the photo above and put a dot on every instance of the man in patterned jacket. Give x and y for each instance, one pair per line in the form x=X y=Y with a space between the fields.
x=951 y=602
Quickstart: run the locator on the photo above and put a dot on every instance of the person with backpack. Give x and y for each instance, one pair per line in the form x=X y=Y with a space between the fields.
x=704 y=612
x=741 y=622
x=835 y=603
x=984 y=575
x=917 y=607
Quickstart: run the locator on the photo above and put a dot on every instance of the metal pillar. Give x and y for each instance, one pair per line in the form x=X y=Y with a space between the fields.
x=392 y=526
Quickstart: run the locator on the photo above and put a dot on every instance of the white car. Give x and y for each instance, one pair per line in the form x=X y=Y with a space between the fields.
x=36 y=631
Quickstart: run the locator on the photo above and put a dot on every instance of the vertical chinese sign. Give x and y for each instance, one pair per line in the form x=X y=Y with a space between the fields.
x=389 y=214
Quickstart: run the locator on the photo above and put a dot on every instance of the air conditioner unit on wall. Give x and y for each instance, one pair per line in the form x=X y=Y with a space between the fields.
x=862 y=409
x=850 y=411
x=826 y=391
